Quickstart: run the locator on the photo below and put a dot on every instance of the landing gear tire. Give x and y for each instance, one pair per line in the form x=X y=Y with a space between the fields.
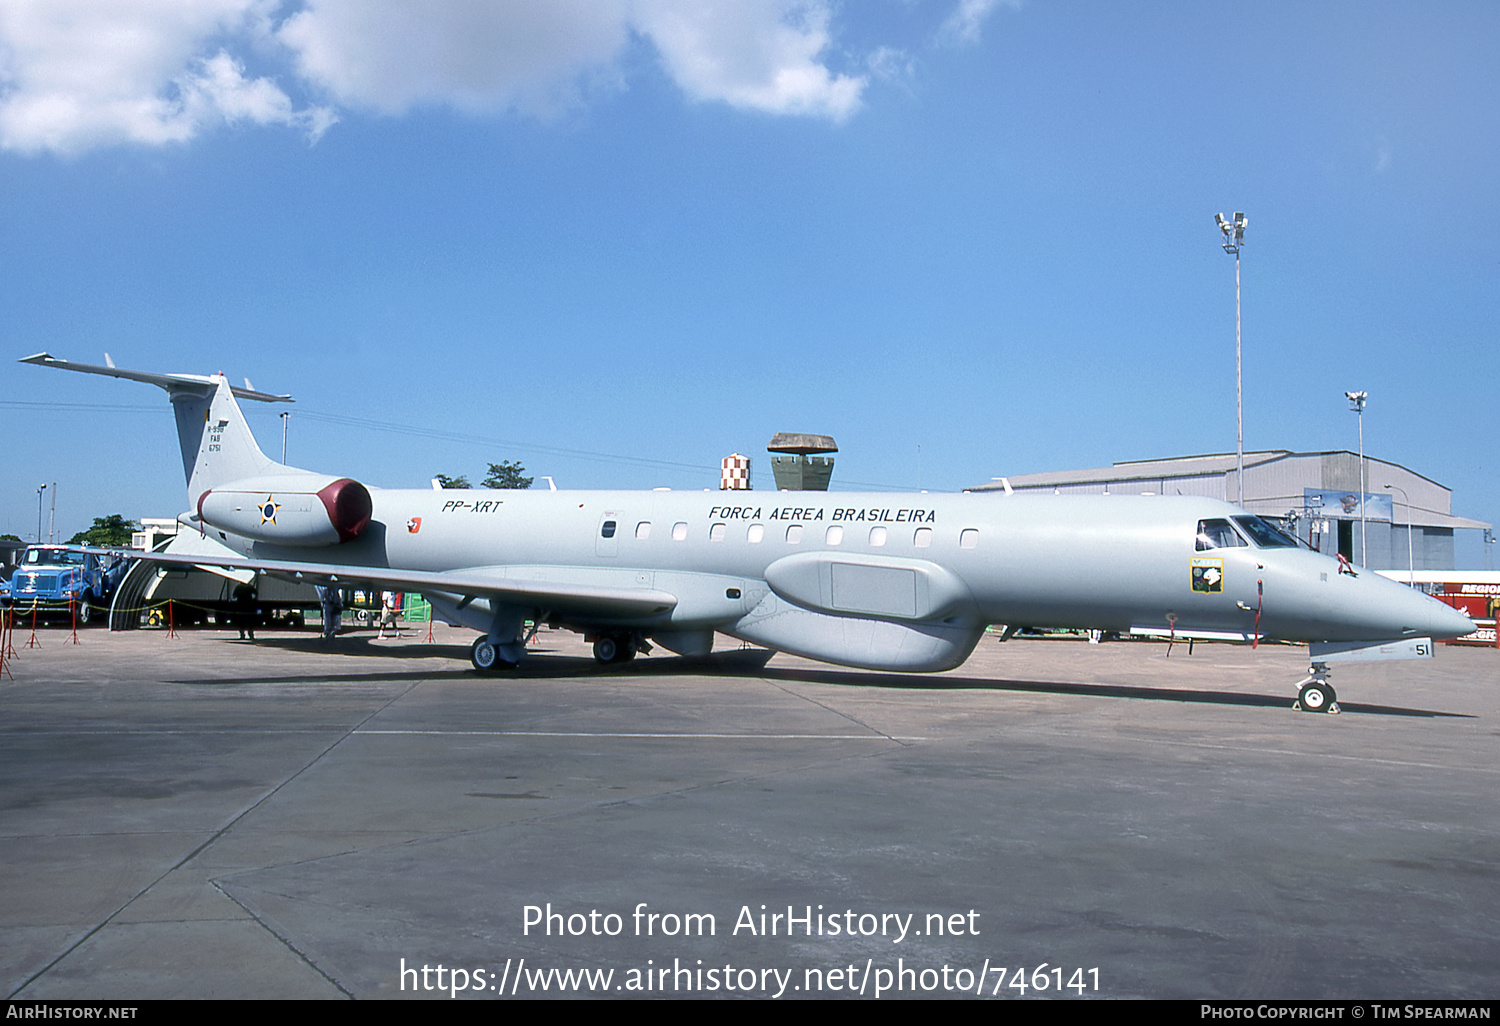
x=612 y=648
x=1317 y=697
x=486 y=658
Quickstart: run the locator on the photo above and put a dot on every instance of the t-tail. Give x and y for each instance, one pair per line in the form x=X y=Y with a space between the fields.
x=231 y=484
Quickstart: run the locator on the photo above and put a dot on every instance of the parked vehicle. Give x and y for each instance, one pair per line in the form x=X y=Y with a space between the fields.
x=64 y=581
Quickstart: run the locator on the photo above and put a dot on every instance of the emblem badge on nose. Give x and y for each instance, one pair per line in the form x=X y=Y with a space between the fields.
x=413 y=525
x=1208 y=575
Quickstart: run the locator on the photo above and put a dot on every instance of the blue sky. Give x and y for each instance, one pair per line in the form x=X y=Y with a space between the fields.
x=619 y=239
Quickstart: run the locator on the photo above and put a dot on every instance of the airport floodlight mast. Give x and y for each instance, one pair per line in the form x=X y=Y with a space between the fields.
x=1357 y=404
x=39 y=491
x=1234 y=237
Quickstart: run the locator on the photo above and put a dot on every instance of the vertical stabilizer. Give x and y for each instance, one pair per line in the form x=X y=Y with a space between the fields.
x=217 y=446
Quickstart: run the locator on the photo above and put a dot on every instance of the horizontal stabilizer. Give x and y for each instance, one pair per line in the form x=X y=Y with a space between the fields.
x=171 y=382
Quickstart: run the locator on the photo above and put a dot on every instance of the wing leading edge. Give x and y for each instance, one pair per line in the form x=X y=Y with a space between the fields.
x=567 y=598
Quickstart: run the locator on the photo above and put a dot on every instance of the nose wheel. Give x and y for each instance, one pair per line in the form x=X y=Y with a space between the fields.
x=1315 y=694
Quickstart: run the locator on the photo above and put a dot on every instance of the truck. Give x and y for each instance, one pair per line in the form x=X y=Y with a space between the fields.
x=64 y=581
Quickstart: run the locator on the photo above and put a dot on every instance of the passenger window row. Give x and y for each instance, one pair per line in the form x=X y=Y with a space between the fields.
x=968 y=538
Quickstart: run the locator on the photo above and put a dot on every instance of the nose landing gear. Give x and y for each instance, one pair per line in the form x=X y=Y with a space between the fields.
x=1314 y=693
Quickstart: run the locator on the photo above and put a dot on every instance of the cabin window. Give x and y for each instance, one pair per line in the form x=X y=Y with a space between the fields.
x=835 y=535
x=794 y=534
x=923 y=537
x=608 y=530
x=1217 y=534
x=679 y=532
x=716 y=532
x=968 y=538
x=877 y=536
x=643 y=530
x=755 y=534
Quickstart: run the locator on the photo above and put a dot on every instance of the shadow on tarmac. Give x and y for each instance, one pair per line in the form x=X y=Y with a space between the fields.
x=749 y=662
x=813 y=676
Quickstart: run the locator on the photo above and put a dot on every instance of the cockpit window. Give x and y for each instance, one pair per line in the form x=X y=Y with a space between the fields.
x=1217 y=534
x=1265 y=534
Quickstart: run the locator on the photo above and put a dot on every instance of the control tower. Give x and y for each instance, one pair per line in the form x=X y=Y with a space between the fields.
x=800 y=470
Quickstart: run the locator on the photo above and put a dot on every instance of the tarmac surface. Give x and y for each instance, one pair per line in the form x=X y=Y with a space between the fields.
x=207 y=818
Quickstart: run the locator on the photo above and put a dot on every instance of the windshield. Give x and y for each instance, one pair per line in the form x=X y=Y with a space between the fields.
x=53 y=557
x=1265 y=534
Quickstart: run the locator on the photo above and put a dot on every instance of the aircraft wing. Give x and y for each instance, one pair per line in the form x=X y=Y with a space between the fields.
x=560 y=597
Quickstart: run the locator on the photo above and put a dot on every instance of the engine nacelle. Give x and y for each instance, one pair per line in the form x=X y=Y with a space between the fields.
x=289 y=510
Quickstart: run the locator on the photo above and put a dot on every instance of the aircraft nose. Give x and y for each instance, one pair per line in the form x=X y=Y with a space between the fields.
x=1448 y=622
x=1378 y=607
x=1423 y=615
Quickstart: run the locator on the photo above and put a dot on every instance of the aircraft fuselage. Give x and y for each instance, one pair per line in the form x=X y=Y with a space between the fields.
x=954 y=561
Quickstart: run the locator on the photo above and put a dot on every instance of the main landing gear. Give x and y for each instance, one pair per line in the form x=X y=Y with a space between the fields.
x=615 y=648
x=486 y=657
x=1314 y=693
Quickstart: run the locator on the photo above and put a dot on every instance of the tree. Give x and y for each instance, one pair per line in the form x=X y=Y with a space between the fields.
x=453 y=482
x=112 y=530
x=506 y=474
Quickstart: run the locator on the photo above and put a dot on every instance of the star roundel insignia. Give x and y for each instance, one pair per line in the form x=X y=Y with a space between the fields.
x=268 y=511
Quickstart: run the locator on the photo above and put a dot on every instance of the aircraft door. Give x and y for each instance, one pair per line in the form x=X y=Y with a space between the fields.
x=607 y=537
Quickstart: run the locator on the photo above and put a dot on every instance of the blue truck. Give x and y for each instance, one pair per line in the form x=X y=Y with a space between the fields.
x=64 y=582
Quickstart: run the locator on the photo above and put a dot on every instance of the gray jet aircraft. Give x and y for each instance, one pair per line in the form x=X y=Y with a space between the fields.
x=880 y=581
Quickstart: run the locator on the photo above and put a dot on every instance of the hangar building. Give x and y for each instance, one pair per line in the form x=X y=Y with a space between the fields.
x=1317 y=492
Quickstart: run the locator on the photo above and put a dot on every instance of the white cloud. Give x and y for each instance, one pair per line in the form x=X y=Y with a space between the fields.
x=75 y=74
x=961 y=28
x=217 y=88
x=752 y=54
x=475 y=56
x=887 y=63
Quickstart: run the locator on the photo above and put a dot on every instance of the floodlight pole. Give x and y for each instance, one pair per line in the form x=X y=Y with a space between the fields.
x=1411 y=566
x=284 y=417
x=1234 y=237
x=1357 y=404
x=39 y=492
